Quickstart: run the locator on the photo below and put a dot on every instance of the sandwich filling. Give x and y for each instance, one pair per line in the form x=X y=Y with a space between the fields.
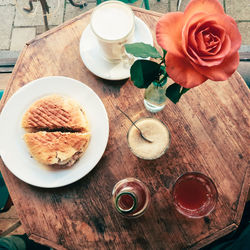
x=56 y=148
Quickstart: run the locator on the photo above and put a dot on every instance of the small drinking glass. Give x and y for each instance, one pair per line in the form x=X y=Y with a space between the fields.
x=155 y=131
x=113 y=24
x=194 y=195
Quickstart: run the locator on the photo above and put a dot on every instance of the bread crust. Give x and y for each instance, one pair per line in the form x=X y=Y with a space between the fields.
x=55 y=112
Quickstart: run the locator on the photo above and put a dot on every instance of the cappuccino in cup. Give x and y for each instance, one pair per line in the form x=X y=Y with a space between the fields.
x=113 y=24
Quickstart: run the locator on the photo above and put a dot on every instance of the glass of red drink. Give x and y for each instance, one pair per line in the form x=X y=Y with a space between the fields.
x=194 y=195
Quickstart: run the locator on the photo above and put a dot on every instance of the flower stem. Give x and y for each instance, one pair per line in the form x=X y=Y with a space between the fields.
x=162 y=61
x=162 y=80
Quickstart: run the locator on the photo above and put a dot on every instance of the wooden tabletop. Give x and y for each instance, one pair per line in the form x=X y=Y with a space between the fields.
x=209 y=133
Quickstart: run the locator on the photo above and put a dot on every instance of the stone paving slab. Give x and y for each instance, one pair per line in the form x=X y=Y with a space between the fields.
x=6 y=19
x=41 y=28
x=238 y=9
x=71 y=11
x=35 y=18
x=184 y=3
x=6 y=54
x=7 y=2
x=20 y=36
x=244 y=28
x=162 y=6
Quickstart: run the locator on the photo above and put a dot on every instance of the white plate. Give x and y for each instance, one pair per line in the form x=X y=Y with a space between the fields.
x=94 y=60
x=14 y=151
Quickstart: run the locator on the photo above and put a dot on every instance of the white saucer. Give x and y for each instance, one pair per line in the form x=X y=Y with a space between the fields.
x=94 y=60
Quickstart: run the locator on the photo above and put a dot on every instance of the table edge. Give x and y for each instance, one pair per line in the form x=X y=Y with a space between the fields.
x=239 y=77
x=242 y=197
x=61 y=26
x=211 y=238
x=46 y=242
x=203 y=242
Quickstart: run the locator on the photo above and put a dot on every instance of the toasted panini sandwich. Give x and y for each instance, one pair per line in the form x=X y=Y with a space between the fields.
x=55 y=113
x=57 y=131
x=57 y=149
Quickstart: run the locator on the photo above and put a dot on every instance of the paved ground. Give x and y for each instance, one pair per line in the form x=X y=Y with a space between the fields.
x=18 y=26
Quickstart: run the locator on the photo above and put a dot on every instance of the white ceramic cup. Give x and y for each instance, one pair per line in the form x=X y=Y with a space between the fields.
x=113 y=24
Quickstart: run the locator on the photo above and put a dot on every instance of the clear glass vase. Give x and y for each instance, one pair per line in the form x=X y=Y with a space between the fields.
x=154 y=97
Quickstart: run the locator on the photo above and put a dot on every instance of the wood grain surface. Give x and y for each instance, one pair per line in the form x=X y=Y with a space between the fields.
x=209 y=133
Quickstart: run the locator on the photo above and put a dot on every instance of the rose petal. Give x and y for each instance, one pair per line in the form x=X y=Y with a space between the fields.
x=206 y=6
x=212 y=60
x=168 y=32
x=189 y=29
x=222 y=71
x=225 y=22
x=182 y=72
x=224 y=51
x=215 y=8
x=213 y=22
x=231 y=29
x=200 y=61
x=217 y=35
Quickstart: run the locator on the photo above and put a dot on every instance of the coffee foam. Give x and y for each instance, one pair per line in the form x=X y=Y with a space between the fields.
x=112 y=21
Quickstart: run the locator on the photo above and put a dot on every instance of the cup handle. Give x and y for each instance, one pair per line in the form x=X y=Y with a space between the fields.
x=127 y=59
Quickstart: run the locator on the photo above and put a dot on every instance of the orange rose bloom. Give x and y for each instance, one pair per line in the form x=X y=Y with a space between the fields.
x=202 y=43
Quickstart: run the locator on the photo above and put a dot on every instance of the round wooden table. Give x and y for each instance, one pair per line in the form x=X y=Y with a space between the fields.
x=209 y=133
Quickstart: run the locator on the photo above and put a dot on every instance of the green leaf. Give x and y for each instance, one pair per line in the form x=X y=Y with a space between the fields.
x=143 y=72
x=164 y=53
x=175 y=91
x=142 y=50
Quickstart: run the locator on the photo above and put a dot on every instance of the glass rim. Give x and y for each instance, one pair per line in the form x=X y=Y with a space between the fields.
x=163 y=152
x=119 y=208
x=147 y=193
x=184 y=210
x=118 y=3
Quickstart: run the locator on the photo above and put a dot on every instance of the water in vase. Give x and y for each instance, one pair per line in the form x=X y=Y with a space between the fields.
x=155 y=98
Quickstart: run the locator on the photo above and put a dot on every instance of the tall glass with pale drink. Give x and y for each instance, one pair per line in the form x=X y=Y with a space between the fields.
x=113 y=24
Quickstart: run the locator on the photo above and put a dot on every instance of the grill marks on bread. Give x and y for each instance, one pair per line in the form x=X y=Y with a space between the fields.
x=44 y=117
x=55 y=113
